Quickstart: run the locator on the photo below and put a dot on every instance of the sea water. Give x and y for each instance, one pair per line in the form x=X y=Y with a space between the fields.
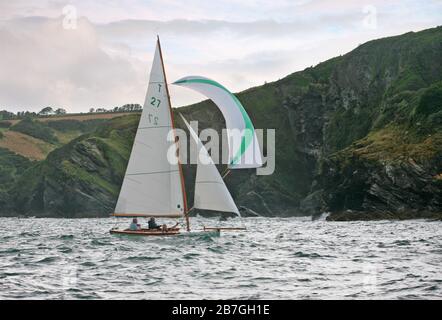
x=293 y=258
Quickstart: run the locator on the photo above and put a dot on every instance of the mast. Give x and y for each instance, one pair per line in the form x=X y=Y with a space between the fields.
x=183 y=186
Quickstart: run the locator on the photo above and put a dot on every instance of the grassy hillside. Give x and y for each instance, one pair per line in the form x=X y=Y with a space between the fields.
x=12 y=166
x=35 y=138
x=360 y=132
x=36 y=130
x=25 y=145
x=81 y=178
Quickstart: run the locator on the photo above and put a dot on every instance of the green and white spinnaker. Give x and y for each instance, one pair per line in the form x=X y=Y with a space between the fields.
x=244 y=150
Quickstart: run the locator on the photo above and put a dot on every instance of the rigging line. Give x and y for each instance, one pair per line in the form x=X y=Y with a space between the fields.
x=214 y=182
x=225 y=171
x=140 y=192
x=155 y=127
x=142 y=206
x=228 y=171
x=158 y=178
x=144 y=144
x=148 y=196
x=148 y=173
x=140 y=182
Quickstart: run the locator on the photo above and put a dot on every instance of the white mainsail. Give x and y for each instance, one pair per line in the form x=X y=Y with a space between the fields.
x=211 y=192
x=153 y=186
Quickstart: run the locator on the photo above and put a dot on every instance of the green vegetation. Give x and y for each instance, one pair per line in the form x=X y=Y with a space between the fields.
x=361 y=131
x=5 y=124
x=65 y=125
x=428 y=113
x=347 y=126
x=393 y=144
x=93 y=163
x=11 y=167
x=35 y=129
x=6 y=115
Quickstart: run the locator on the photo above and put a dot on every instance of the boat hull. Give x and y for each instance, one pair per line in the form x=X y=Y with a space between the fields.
x=147 y=232
x=160 y=233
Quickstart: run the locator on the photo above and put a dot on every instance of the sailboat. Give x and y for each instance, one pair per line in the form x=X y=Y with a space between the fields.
x=154 y=185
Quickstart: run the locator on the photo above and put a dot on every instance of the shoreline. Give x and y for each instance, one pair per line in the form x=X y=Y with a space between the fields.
x=347 y=216
x=376 y=216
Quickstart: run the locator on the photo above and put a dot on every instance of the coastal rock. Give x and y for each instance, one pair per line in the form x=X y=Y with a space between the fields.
x=359 y=136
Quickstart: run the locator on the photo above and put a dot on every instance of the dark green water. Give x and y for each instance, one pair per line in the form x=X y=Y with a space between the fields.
x=275 y=259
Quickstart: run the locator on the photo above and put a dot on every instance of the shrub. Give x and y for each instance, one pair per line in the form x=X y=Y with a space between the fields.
x=5 y=124
x=75 y=125
x=430 y=102
x=35 y=129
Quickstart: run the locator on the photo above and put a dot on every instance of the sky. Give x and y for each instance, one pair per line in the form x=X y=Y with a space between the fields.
x=80 y=54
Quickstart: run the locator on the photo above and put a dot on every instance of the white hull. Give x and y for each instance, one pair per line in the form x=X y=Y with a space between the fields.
x=175 y=232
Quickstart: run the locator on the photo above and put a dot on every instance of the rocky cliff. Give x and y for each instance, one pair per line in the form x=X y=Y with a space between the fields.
x=359 y=135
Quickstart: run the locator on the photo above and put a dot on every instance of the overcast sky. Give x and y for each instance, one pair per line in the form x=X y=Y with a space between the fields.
x=83 y=53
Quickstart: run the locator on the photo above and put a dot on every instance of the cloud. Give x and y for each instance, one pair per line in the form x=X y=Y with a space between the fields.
x=43 y=64
x=105 y=61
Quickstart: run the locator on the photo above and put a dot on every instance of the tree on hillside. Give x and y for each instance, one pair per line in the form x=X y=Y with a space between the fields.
x=129 y=108
x=6 y=115
x=46 y=111
x=91 y=110
x=60 y=111
x=26 y=114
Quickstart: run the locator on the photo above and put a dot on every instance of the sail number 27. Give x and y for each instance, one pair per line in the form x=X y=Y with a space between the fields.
x=154 y=101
